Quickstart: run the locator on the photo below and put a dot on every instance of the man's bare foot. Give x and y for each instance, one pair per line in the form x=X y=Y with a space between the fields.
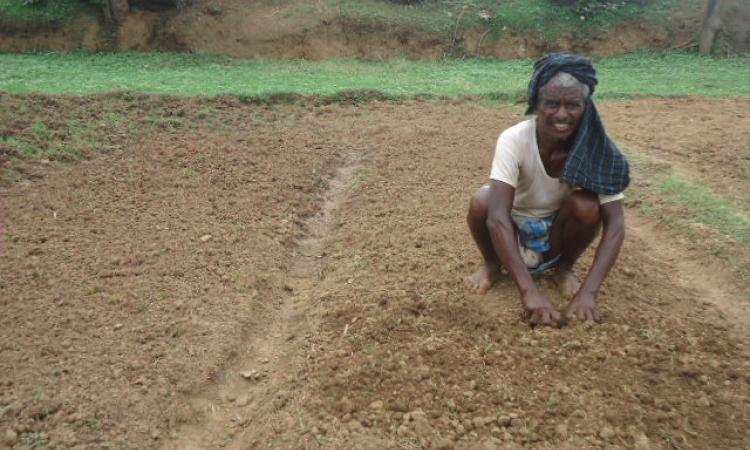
x=483 y=279
x=568 y=282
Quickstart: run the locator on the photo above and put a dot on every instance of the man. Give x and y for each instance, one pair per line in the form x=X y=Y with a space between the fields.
x=555 y=179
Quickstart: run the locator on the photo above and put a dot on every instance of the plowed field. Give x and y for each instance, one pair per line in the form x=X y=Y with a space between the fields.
x=208 y=273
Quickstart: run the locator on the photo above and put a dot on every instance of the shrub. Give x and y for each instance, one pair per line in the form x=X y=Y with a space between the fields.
x=593 y=7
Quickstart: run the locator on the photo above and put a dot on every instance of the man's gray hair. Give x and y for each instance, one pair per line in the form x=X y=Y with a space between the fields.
x=564 y=79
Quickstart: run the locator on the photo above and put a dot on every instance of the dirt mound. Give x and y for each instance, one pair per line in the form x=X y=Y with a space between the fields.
x=209 y=278
x=320 y=30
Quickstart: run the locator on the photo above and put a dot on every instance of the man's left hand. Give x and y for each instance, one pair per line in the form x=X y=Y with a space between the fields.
x=583 y=307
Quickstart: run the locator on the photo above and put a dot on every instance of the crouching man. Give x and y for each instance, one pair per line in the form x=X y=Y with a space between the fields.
x=556 y=178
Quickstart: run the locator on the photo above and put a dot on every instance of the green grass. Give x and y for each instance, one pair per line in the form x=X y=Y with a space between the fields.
x=57 y=140
x=15 y=12
x=704 y=207
x=72 y=148
x=643 y=74
x=712 y=223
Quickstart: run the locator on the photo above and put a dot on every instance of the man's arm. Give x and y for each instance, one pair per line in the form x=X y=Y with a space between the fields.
x=505 y=243
x=583 y=305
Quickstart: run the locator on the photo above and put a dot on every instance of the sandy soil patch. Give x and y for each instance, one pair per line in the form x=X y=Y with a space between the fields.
x=252 y=276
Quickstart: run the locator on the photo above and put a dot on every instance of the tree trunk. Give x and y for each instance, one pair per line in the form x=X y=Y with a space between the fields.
x=711 y=26
x=116 y=10
x=107 y=12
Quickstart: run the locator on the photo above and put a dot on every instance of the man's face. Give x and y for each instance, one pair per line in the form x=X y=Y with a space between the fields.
x=559 y=111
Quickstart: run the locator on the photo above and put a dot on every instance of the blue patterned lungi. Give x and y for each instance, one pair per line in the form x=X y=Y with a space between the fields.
x=533 y=240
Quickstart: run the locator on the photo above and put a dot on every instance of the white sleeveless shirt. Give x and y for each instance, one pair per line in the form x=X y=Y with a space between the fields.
x=517 y=162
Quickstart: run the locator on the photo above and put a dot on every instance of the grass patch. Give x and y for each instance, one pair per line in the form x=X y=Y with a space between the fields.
x=77 y=141
x=642 y=74
x=713 y=224
x=16 y=12
x=43 y=131
x=704 y=207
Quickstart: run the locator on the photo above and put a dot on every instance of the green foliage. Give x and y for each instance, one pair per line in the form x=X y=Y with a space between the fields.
x=39 y=11
x=589 y=8
x=642 y=74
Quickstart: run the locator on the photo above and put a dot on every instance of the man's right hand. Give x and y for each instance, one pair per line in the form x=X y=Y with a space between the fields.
x=502 y=232
x=540 y=310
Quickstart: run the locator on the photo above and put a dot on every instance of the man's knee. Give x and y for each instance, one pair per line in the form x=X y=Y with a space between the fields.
x=584 y=207
x=479 y=202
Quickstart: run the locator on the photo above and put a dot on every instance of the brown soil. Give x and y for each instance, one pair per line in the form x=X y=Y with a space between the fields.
x=310 y=30
x=288 y=276
x=699 y=149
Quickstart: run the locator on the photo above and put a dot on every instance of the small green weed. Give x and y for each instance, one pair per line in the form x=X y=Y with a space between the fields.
x=167 y=123
x=35 y=440
x=189 y=173
x=38 y=394
x=204 y=113
x=302 y=428
x=552 y=404
x=360 y=263
x=670 y=440
x=40 y=130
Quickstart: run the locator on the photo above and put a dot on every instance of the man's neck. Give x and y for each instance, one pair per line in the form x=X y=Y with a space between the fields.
x=549 y=144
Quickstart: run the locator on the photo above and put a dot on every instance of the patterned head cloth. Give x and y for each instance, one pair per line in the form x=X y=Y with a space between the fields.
x=594 y=163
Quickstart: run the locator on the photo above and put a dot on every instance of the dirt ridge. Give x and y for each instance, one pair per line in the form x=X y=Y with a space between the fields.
x=707 y=280
x=248 y=391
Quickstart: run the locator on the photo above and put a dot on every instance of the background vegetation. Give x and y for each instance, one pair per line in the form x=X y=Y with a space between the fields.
x=22 y=11
x=544 y=17
x=445 y=18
